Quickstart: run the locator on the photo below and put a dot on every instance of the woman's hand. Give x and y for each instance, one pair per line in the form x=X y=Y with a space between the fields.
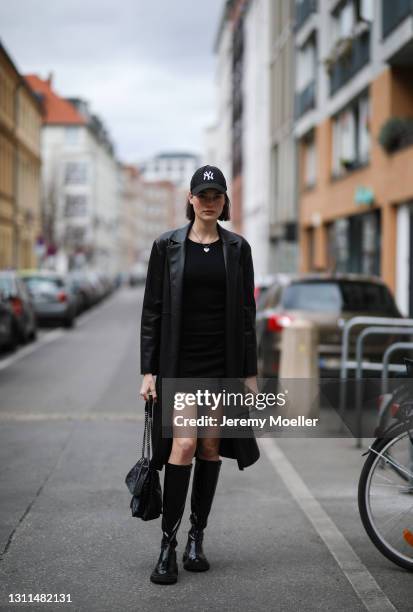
x=148 y=387
x=251 y=383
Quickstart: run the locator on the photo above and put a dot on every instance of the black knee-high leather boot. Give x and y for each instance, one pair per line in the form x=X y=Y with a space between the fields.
x=175 y=490
x=204 y=484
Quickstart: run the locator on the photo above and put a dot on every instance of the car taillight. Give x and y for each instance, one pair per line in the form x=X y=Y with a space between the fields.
x=276 y=323
x=381 y=401
x=394 y=409
x=62 y=296
x=17 y=306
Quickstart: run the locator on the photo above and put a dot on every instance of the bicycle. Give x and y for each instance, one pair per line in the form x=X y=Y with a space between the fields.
x=385 y=491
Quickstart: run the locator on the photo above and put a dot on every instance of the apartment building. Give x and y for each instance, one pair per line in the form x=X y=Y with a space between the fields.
x=173 y=166
x=20 y=164
x=239 y=139
x=80 y=182
x=354 y=104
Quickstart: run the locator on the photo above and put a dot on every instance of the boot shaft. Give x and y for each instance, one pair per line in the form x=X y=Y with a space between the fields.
x=176 y=483
x=204 y=485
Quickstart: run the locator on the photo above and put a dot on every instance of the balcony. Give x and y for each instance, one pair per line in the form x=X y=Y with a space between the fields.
x=303 y=10
x=354 y=56
x=393 y=13
x=305 y=100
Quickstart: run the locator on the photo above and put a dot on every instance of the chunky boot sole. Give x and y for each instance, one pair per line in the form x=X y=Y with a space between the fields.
x=167 y=578
x=195 y=566
x=163 y=579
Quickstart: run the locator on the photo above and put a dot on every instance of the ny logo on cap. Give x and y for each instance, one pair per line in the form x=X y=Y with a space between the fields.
x=208 y=175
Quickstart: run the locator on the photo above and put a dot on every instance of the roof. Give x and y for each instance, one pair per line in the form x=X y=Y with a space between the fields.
x=21 y=79
x=57 y=110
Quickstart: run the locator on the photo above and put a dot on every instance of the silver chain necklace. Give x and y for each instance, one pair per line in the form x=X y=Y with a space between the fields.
x=207 y=245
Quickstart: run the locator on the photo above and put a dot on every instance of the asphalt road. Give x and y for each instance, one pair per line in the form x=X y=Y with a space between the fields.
x=283 y=534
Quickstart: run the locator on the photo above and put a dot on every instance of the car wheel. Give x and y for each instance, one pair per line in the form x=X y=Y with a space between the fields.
x=69 y=322
x=14 y=339
x=24 y=336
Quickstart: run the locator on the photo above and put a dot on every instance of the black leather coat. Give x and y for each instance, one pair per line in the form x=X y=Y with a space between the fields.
x=161 y=320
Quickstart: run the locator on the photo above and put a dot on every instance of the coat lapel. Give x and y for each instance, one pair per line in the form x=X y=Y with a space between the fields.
x=231 y=244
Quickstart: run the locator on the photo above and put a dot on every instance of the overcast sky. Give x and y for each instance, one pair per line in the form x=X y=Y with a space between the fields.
x=146 y=67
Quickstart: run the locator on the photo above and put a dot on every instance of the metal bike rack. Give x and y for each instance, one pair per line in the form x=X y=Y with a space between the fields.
x=377 y=323
x=397 y=346
x=370 y=331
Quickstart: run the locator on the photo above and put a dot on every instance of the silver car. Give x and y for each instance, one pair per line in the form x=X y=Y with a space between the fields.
x=53 y=297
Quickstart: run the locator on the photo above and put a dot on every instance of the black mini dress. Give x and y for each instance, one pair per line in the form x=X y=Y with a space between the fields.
x=202 y=341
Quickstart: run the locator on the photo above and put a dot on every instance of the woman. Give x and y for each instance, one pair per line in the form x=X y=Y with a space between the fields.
x=198 y=320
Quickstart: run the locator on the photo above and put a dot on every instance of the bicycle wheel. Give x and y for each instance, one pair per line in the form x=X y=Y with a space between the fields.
x=385 y=497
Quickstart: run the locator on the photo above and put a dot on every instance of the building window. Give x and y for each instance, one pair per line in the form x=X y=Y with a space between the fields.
x=393 y=13
x=343 y=21
x=74 y=235
x=306 y=64
x=363 y=132
x=309 y=173
x=75 y=205
x=75 y=173
x=350 y=41
x=275 y=187
x=306 y=77
x=354 y=244
x=303 y=9
x=237 y=97
x=347 y=19
x=351 y=137
x=72 y=134
x=340 y=245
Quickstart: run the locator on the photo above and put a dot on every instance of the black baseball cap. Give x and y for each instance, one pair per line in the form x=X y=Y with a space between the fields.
x=208 y=177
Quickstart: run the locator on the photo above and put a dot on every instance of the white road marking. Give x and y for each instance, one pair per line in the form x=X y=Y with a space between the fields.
x=363 y=583
x=53 y=416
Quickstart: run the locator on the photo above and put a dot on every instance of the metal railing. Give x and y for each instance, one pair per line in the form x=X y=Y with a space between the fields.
x=345 y=67
x=396 y=346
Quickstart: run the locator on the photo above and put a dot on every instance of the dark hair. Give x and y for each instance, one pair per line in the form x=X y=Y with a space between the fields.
x=224 y=216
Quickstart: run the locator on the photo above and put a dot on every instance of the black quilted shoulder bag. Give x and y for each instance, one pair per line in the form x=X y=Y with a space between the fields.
x=142 y=480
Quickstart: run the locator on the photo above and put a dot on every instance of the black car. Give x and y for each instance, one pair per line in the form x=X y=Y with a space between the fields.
x=24 y=316
x=8 y=332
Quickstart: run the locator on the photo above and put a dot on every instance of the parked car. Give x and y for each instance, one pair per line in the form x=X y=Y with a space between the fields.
x=327 y=301
x=53 y=298
x=97 y=286
x=82 y=288
x=263 y=283
x=137 y=274
x=24 y=317
x=8 y=332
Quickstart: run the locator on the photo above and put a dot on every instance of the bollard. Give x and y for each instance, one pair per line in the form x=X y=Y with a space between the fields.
x=299 y=361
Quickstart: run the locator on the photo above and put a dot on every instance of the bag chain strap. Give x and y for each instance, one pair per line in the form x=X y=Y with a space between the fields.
x=147 y=432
